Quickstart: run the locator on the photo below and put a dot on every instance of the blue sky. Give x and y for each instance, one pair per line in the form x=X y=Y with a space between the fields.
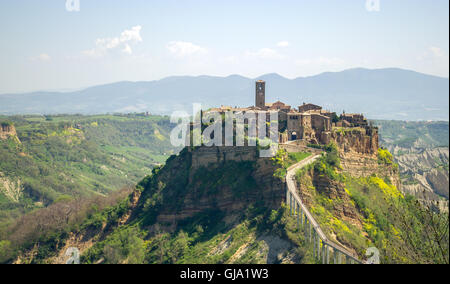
x=45 y=47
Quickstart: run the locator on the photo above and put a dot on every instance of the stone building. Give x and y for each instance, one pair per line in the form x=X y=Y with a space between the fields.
x=278 y=106
x=308 y=107
x=260 y=95
x=355 y=119
x=309 y=123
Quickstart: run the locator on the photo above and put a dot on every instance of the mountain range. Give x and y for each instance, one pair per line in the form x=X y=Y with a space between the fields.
x=390 y=93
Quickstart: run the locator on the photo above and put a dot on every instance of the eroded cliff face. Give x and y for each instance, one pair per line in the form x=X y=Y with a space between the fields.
x=7 y=131
x=357 y=140
x=423 y=172
x=11 y=188
x=228 y=179
x=425 y=175
x=358 y=151
x=364 y=165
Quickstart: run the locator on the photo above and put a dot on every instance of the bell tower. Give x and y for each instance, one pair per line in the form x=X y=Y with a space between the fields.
x=260 y=97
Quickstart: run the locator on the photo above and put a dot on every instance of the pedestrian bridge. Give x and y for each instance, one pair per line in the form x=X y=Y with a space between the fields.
x=324 y=249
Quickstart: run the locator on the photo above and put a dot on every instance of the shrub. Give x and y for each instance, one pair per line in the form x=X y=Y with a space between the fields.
x=384 y=157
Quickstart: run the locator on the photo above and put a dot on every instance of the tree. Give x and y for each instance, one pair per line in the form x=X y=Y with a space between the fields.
x=423 y=232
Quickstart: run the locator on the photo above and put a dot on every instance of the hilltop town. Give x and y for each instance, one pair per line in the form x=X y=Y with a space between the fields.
x=310 y=124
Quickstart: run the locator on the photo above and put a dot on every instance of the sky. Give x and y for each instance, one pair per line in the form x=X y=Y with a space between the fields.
x=58 y=45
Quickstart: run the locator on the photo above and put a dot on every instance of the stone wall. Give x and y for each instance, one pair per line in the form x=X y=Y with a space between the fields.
x=215 y=156
x=357 y=140
x=320 y=123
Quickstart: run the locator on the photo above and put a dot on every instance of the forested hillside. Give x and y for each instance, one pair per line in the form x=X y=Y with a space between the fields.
x=408 y=134
x=44 y=160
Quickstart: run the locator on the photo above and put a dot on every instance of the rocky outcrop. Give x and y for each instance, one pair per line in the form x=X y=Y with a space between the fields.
x=213 y=157
x=227 y=179
x=8 y=130
x=360 y=165
x=356 y=140
x=13 y=189
x=425 y=174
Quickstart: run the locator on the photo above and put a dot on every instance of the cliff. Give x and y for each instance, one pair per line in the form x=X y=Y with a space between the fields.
x=209 y=205
x=8 y=130
x=358 y=153
x=228 y=179
x=356 y=140
x=425 y=175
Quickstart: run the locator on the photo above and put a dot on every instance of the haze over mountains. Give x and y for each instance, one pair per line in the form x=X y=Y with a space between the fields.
x=380 y=94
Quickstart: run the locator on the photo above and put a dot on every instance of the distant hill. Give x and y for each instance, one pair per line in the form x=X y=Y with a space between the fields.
x=380 y=94
x=413 y=134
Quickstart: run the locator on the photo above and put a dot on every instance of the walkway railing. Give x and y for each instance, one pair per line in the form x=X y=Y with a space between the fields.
x=323 y=248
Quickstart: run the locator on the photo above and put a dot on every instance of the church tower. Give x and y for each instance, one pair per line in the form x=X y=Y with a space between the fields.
x=260 y=98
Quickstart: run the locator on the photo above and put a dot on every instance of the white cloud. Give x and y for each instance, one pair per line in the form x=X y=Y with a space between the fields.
x=133 y=35
x=124 y=41
x=264 y=53
x=283 y=44
x=184 y=49
x=41 y=57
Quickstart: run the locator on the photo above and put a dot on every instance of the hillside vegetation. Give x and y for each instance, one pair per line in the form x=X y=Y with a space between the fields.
x=236 y=220
x=372 y=212
x=143 y=228
x=409 y=134
x=55 y=158
x=204 y=205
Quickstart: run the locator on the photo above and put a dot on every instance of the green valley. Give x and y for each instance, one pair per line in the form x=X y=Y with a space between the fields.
x=48 y=159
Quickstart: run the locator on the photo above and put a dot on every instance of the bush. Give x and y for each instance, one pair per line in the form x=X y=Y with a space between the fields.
x=315 y=146
x=384 y=157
